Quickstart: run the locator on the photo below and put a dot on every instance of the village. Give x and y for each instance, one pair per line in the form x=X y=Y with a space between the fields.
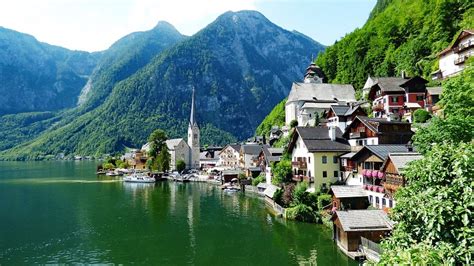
x=349 y=153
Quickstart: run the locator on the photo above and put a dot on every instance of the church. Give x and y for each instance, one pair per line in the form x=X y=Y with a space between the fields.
x=181 y=150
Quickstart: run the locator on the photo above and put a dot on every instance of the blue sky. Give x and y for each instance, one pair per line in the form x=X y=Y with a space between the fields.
x=93 y=25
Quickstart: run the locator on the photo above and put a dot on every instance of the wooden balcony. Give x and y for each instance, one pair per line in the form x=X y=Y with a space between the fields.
x=357 y=135
x=463 y=47
x=460 y=60
x=301 y=178
x=299 y=164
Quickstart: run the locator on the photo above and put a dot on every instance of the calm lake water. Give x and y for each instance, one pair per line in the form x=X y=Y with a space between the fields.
x=60 y=212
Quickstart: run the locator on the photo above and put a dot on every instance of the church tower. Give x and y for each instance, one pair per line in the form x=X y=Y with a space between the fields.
x=193 y=138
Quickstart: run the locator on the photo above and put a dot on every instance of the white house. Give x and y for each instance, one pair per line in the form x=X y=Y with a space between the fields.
x=452 y=59
x=229 y=156
x=305 y=99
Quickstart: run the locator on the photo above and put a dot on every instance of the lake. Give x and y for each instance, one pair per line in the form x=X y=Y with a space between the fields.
x=61 y=212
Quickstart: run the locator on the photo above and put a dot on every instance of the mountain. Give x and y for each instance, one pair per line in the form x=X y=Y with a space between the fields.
x=398 y=36
x=121 y=60
x=36 y=76
x=124 y=58
x=241 y=65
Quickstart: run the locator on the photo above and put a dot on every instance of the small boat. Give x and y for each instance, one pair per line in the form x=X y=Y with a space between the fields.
x=101 y=172
x=112 y=173
x=231 y=189
x=135 y=178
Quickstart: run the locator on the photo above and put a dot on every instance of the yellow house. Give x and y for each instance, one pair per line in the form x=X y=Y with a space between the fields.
x=315 y=153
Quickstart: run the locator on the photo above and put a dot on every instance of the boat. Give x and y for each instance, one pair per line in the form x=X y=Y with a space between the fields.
x=136 y=178
x=113 y=173
x=231 y=189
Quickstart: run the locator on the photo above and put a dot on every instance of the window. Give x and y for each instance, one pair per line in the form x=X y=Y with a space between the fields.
x=336 y=174
x=344 y=162
x=383 y=202
x=395 y=110
x=325 y=159
x=390 y=203
x=309 y=159
x=395 y=99
x=384 y=100
x=419 y=98
x=309 y=173
x=377 y=201
x=371 y=198
x=366 y=165
x=325 y=174
x=335 y=159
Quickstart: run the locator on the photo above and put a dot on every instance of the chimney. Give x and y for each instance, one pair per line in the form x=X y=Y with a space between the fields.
x=332 y=133
x=403 y=74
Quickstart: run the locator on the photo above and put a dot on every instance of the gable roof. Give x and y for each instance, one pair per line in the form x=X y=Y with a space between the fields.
x=394 y=84
x=253 y=149
x=364 y=220
x=434 y=90
x=236 y=147
x=374 y=125
x=348 y=192
x=381 y=151
x=459 y=37
x=172 y=143
x=345 y=110
x=321 y=91
x=317 y=139
x=401 y=160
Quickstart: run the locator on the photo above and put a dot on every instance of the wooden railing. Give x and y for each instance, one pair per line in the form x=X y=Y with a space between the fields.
x=371 y=245
x=299 y=164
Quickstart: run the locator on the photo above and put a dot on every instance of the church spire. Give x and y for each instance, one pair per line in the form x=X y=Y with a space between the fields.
x=192 y=119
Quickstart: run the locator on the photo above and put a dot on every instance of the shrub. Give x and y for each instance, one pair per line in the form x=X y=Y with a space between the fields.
x=287 y=197
x=293 y=123
x=421 y=116
x=323 y=200
x=180 y=166
x=302 y=212
x=259 y=179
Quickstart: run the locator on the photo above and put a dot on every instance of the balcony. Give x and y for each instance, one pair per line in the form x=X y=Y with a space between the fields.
x=378 y=107
x=461 y=60
x=299 y=164
x=301 y=178
x=374 y=188
x=357 y=135
x=464 y=46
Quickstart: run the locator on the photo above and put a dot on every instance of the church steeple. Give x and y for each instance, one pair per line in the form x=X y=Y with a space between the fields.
x=192 y=119
x=193 y=137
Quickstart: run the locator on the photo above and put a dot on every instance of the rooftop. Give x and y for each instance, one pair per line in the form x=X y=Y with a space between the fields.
x=348 y=191
x=364 y=220
x=321 y=91
x=317 y=139
x=434 y=90
x=401 y=160
x=382 y=151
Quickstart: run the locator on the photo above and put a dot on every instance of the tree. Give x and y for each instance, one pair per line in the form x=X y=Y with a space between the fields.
x=180 y=166
x=317 y=119
x=157 y=140
x=163 y=160
x=282 y=172
x=421 y=116
x=433 y=214
x=293 y=123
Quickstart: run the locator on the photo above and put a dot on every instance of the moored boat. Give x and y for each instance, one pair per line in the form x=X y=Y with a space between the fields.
x=136 y=178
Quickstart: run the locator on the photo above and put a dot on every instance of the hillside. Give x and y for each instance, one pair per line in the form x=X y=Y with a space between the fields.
x=399 y=36
x=241 y=65
x=36 y=76
x=275 y=118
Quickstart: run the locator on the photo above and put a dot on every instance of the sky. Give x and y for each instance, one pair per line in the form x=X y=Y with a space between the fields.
x=94 y=25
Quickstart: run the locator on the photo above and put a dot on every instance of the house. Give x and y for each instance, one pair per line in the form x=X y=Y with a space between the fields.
x=452 y=59
x=369 y=162
x=275 y=134
x=349 y=174
x=228 y=175
x=249 y=159
x=208 y=158
x=266 y=157
x=368 y=84
x=392 y=170
x=229 y=156
x=307 y=98
x=349 y=198
x=315 y=155
x=374 y=131
x=432 y=97
x=392 y=97
x=342 y=115
x=136 y=159
x=351 y=227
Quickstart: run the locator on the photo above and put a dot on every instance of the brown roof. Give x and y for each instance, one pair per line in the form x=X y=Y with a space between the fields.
x=460 y=36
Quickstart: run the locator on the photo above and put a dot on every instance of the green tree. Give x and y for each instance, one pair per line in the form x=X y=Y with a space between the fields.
x=433 y=214
x=293 y=123
x=317 y=119
x=282 y=172
x=180 y=166
x=163 y=160
x=157 y=140
x=421 y=116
